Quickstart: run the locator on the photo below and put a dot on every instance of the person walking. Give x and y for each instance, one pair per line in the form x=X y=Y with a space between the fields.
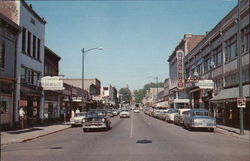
x=21 y=117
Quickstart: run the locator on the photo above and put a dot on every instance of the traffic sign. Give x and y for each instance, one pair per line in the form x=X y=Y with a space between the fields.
x=241 y=102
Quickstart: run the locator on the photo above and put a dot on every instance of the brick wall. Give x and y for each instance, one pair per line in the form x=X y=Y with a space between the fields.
x=9 y=9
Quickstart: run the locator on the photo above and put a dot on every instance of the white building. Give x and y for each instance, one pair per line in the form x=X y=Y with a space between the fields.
x=30 y=63
x=109 y=94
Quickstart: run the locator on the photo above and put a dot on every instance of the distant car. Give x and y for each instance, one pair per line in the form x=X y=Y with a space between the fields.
x=115 y=112
x=199 y=118
x=178 y=118
x=124 y=114
x=136 y=110
x=78 y=118
x=170 y=115
x=96 y=119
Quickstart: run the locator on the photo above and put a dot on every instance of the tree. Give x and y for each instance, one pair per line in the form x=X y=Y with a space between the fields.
x=125 y=94
x=139 y=94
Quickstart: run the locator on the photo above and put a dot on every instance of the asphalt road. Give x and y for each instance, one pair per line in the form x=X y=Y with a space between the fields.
x=140 y=138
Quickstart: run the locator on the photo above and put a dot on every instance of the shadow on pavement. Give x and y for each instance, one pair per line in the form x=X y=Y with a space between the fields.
x=24 y=131
x=144 y=141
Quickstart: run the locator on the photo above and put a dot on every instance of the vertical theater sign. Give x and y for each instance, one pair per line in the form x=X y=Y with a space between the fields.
x=179 y=56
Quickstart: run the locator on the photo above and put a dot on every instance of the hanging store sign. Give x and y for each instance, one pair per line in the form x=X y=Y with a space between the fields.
x=179 y=56
x=205 y=84
x=52 y=83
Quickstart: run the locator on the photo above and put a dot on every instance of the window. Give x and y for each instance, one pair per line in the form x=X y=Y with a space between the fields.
x=199 y=69
x=218 y=84
x=29 y=43
x=24 y=40
x=231 y=79
x=4 y=103
x=38 y=49
x=32 y=21
x=231 y=48
x=34 y=46
x=245 y=39
x=23 y=75
x=2 y=55
x=207 y=63
x=217 y=57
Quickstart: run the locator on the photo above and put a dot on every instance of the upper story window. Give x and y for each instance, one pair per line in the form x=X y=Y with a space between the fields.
x=24 y=40
x=29 y=76
x=32 y=21
x=231 y=48
x=207 y=63
x=38 y=48
x=245 y=39
x=2 y=55
x=199 y=69
x=34 y=46
x=217 y=57
x=29 y=43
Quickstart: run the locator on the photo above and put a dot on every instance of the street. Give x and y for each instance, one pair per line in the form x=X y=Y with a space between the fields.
x=140 y=138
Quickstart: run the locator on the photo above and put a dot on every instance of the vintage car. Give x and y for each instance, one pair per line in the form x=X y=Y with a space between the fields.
x=77 y=119
x=178 y=118
x=96 y=119
x=170 y=115
x=136 y=110
x=124 y=113
x=198 y=118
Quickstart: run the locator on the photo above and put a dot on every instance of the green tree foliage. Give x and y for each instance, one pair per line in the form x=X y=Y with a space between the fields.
x=139 y=94
x=125 y=94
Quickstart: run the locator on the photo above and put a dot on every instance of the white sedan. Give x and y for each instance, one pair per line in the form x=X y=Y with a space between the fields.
x=78 y=118
x=136 y=110
x=124 y=114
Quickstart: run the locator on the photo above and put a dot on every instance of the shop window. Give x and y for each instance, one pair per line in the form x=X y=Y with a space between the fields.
x=4 y=103
x=2 y=54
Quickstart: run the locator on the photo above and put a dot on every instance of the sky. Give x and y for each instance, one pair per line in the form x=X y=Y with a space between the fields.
x=137 y=36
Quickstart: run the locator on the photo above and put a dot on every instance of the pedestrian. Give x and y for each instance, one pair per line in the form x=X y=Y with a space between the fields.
x=21 y=117
x=72 y=113
x=77 y=110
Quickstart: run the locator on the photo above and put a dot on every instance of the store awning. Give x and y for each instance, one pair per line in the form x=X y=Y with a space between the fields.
x=162 y=104
x=231 y=94
x=179 y=101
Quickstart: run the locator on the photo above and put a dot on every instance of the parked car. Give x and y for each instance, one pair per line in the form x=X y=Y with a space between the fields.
x=178 y=118
x=198 y=118
x=78 y=118
x=156 y=113
x=115 y=112
x=136 y=110
x=170 y=115
x=163 y=114
x=96 y=119
x=124 y=114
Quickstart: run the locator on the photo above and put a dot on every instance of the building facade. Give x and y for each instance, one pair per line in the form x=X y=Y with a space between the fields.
x=9 y=32
x=177 y=95
x=212 y=75
x=52 y=98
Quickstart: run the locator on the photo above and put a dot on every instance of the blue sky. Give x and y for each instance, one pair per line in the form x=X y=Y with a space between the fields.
x=137 y=36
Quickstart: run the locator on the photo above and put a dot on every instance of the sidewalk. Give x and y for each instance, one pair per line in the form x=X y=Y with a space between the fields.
x=235 y=132
x=17 y=136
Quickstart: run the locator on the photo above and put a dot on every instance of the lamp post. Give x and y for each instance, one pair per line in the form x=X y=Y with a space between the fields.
x=240 y=68
x=83 y=53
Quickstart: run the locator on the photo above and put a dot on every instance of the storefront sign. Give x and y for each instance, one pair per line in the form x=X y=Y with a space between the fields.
x=205 y=84
x=241 y=102
x=179 y=56
x=52 y=83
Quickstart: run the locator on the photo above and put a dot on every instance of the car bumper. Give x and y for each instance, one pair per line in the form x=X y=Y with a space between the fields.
x=75 y=123
x=203 y=126
x=94 y=125
x=124 y=116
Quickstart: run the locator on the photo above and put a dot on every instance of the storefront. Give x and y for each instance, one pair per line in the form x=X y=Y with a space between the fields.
x=6 y=103
x=224 y=106
x=30 y=102
x=52 y=106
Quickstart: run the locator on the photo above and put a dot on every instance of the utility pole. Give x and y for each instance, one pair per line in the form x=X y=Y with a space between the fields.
x=240 y=68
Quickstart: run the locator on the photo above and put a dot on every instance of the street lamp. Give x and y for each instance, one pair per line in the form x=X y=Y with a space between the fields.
x=83 y=53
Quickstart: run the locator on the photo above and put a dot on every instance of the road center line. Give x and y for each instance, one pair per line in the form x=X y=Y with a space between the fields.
x=131 y=126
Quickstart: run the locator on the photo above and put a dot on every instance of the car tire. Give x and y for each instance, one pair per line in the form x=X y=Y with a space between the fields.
x=84 y=130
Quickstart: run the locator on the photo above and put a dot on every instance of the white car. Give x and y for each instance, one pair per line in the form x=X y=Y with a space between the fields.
x=124 y=114
x=78 y=118
x=170 y=115
x=136 y=110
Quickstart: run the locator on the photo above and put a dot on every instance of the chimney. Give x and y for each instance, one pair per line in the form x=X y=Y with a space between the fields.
x=186 y=35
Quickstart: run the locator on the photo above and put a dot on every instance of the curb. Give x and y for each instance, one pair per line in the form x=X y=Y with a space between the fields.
x=230 y=133
x=32 y=138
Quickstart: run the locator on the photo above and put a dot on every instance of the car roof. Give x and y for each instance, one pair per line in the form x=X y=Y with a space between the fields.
x=199 y=109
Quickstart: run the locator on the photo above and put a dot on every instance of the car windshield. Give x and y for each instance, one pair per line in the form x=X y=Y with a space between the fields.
x=200 y=113
x=80 y=114
x=96 y=113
